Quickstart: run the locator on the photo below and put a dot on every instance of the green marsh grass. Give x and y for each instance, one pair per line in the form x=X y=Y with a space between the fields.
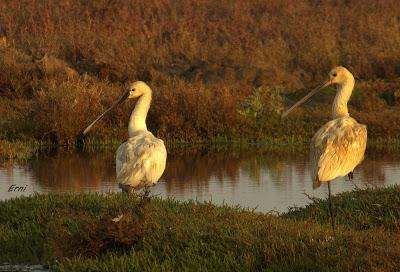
x=18 y=151
x=359 y=209
x=75 y=233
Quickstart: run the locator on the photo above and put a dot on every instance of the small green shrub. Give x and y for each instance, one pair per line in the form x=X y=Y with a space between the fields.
x=262 y=104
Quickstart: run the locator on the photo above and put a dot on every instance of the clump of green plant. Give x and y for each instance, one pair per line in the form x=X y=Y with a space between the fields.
x=262 y=104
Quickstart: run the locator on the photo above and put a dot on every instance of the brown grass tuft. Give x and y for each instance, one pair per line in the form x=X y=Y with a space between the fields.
x=86 y=235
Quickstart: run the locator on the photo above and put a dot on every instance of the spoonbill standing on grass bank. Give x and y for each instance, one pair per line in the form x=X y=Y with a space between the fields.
x=140 y=161
x=339 y=146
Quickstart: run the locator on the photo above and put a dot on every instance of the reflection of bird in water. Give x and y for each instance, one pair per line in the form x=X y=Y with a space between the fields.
x=140 y=161
x=339 y=146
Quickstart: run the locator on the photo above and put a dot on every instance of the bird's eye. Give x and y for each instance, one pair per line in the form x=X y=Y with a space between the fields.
x=334 y=74
x=133 y=90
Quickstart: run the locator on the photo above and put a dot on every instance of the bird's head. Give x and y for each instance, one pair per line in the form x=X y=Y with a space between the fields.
x=134 y=90
x=137 y=89
x=338 y=75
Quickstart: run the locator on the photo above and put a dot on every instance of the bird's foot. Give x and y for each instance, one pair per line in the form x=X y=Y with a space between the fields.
x=350 y=176
x=127 y=189
x=146 y=192
x=145 y=195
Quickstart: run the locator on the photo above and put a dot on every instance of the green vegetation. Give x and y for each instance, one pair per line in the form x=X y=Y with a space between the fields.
x=360 y=209
x=221 y=69
x=76 y=233
x=18 y=150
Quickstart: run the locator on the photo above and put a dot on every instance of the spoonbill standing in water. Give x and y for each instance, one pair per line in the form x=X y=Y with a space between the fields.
x=140 y=161
x=338 y=146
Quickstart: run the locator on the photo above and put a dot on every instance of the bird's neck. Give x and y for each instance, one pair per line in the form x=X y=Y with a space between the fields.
x=339 y=108
x=137 y=121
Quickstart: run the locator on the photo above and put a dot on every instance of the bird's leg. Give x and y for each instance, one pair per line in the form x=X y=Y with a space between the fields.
x=123 y=188
x=350 y=175
x=330 y=206
x=145 y=196
x=129 y=190
x=146 y=191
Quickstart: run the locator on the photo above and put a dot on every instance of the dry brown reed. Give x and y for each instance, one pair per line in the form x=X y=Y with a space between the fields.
x=62 y=63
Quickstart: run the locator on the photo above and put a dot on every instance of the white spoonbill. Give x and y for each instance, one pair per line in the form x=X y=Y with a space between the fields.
x=140 y=161
x=338 y=146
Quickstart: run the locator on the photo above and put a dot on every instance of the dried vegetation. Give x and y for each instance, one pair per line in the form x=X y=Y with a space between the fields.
x=62 y=63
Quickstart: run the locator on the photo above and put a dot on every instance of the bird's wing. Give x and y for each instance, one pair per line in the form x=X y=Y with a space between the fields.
x=140 y=161
x=336 y=149
x=121 y=157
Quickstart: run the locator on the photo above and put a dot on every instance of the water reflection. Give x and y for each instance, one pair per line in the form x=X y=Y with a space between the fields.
x=72 y=171
x=193 y=171
x=265 y=180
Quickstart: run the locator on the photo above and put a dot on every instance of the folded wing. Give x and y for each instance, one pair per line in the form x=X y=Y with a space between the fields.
x=336 y=149
x=140 y=161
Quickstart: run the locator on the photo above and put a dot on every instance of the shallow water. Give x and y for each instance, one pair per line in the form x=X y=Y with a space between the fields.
x=264 y=181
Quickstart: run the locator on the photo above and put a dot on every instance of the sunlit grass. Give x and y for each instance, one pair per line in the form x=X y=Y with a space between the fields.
x=76 y=232
x=360 y=209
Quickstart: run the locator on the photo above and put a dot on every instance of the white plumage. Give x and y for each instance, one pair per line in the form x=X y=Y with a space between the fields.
x=336 y=149
x=140 y=161
x=339 y=146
